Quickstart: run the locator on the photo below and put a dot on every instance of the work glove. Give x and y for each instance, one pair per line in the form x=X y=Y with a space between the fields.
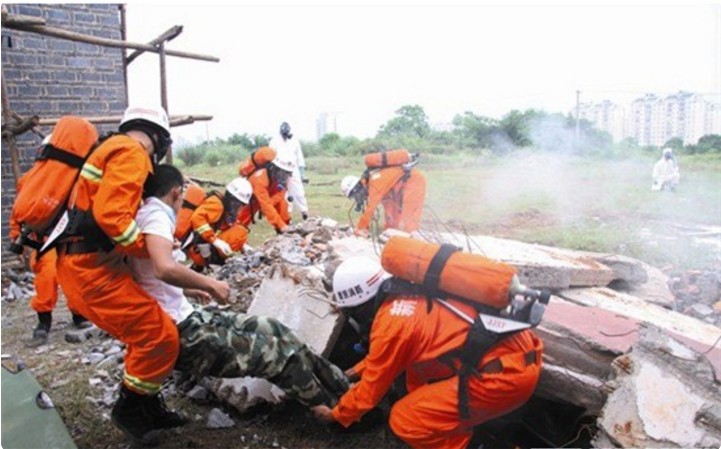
x=204 y=250
x=223 y=248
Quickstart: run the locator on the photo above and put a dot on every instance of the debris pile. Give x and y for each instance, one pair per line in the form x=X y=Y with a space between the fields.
x=698 y=294
x=614 y=334
x=303 y=245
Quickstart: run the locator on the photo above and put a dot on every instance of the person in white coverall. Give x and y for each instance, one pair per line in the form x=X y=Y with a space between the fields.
x=665 y=172
x=285 y=144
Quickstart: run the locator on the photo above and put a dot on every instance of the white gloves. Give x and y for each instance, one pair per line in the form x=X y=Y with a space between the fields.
x=223 y=248
x=204 y=250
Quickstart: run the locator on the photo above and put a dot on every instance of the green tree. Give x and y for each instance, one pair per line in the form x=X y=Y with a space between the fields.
x=675 y=142
x=516 y=125
x=243 y=140
x=474 y=131
x=410 y=120
x=710 y=143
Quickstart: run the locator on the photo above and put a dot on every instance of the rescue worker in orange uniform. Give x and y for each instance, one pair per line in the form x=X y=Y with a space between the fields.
x=269 y=189
x=218 y=235
x=409 y=334
x=97 y=280
x=46 y=281
x=400 y=189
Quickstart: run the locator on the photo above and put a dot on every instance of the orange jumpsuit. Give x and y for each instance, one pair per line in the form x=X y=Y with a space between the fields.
x=402 y=200
x=405 y=336
x=207 y=220
x=46 y=280
x=269 y=199
x=99 y=284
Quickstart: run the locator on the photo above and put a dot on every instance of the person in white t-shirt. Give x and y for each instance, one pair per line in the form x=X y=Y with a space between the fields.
x=222 y=344
x=288 y=147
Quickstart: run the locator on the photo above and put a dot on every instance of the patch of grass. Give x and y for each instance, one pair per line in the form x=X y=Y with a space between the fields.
x=579 y=203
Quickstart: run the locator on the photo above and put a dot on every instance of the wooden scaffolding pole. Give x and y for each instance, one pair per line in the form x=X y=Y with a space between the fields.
x=77 y=37
x=168 y=36
x=10 y=140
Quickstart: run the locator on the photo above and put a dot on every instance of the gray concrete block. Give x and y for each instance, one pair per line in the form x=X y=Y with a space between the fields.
x=304 y=307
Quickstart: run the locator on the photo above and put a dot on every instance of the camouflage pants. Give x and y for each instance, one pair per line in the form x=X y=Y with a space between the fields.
x=227 y=344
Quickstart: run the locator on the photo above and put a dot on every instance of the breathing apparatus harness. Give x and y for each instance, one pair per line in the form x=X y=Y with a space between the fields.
x=488 y=328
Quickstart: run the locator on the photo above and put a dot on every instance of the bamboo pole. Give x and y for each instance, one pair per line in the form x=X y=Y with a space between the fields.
x=10 y=140
x=167 y=36
x=77 y=37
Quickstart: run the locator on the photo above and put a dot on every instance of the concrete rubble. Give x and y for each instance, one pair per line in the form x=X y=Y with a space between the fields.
x=632 y=346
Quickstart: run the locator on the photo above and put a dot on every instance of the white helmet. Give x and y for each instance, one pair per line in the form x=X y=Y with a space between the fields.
x=357 y=281
x=348 y=184
x=241 y=189
x=284 y=163
x=154 y=115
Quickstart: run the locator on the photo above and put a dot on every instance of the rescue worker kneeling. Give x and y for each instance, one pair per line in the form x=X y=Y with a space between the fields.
x=411 y=333
x=217 y=235
x=269 y=190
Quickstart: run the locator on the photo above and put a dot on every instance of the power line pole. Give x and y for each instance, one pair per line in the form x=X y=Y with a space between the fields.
x=578 y=116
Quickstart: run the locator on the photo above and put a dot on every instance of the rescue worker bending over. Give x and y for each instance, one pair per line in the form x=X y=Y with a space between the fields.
x=401 y=190
x=214 y=224
x=94 y=274
x=222 y=344
x=407 y=333
x=269 y=189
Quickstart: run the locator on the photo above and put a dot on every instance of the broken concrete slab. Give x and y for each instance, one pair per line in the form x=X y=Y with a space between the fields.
x=633 y=307
x=347 y=247
x=538 y=266
x=636 y=415
x=299 y=300
x=655 y=290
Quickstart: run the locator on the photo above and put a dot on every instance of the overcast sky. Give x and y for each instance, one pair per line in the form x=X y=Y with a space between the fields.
x=292 y=63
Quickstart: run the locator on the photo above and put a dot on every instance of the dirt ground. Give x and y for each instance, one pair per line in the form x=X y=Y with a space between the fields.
x=59 y=368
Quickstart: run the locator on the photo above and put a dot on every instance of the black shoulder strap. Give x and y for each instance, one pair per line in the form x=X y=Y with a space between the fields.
x=58 y=154
x=433 y=275
x=384 y=159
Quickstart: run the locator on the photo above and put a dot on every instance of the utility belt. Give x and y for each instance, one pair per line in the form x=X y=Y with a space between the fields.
x=83 y=235
x=79 y=247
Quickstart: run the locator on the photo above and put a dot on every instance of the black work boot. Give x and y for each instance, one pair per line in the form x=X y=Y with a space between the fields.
x=40 y=333
x=161 y=415
x=129 y=415
x=80 y=321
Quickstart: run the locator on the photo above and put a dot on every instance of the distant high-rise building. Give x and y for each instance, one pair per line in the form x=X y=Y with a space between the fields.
x=654 y=120
x=327 y=122
x=607 y=116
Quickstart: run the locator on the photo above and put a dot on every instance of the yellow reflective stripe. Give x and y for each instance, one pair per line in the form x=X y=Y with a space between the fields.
x=148 y=387
x=91 y=172
x=129 y=236
x=203 y=228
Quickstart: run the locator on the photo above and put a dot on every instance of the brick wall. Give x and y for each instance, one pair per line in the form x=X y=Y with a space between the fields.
x=52 y=77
